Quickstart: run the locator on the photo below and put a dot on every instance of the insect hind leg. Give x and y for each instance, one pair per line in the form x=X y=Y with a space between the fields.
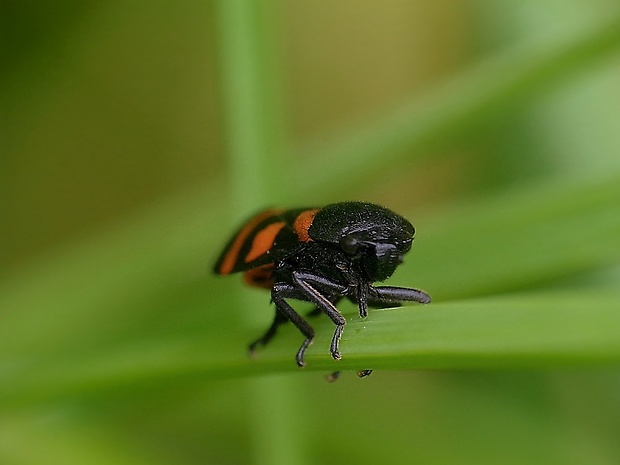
x=269 y=334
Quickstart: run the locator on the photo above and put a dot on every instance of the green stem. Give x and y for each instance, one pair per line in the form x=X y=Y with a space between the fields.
x=249 y=80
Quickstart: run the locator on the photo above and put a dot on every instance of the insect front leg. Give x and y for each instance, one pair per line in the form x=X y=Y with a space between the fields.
x=304 y=282
x=397 y=295
x=279 y=292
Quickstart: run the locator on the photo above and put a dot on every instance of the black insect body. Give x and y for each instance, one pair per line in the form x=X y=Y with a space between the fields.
x=322 y=255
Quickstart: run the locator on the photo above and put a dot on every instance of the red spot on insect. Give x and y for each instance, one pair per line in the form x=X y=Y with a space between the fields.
x=260 y=277
x=302 y=223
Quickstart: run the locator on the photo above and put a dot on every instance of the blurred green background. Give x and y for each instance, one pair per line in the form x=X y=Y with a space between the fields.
x=135 y=137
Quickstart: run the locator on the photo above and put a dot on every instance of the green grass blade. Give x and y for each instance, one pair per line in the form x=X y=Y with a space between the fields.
x=531 y=331
x=525 y=331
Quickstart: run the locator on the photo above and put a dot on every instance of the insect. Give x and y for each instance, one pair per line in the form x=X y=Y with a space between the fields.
x=322 y=255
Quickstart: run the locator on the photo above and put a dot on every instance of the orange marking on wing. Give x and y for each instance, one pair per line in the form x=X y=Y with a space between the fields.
x=263 y=240
x=302 y=223
x=228 y=263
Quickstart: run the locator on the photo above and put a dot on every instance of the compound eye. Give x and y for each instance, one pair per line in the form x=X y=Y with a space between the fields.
x=350 y=244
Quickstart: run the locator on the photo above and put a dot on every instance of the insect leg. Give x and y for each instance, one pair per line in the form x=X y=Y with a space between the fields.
x=271 y=332
x=279 y=292
x=303 y=280
x=334 y=299
x=362 y=299
x=396 y=295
